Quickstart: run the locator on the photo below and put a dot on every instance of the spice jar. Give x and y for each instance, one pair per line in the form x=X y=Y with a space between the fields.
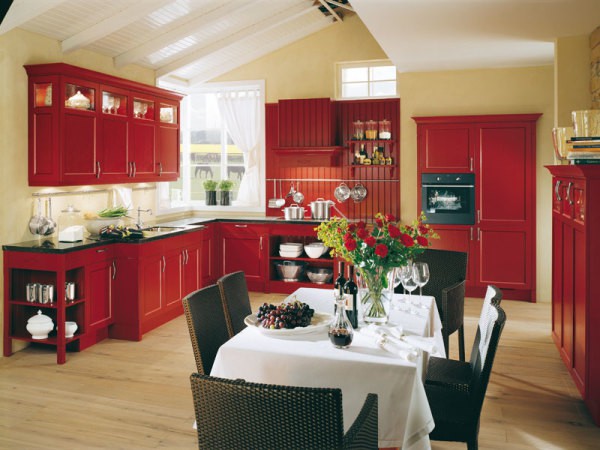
x=371 y=129
x=70 y=225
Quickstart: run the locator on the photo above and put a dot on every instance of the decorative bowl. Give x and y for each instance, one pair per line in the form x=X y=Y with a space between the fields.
x=315 y=251
x=70 y=329
x=78 y=101
x=39 y=326
x=319 y=275
x=290 y=270
x=95 y=225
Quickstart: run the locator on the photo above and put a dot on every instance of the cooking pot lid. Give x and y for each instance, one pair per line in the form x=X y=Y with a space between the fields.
x=39 y=318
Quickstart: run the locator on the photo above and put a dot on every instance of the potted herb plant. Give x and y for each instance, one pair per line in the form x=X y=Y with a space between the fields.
x=210 y=187
x=225 y=187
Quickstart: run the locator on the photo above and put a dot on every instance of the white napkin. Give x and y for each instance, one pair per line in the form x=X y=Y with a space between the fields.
x=427 y=344
x=384 y=338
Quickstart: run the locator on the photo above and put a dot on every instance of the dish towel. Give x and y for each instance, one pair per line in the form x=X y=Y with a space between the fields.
x=121 y=197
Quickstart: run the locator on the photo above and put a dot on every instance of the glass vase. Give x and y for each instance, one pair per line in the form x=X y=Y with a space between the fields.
x=377 y=288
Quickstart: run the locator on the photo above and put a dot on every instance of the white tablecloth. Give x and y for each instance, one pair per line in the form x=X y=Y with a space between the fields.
x=311 y=360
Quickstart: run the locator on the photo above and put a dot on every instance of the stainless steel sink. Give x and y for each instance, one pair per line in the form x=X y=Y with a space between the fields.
x=158 y=231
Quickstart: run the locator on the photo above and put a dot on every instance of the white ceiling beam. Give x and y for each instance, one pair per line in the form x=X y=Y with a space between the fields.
x=258 y=28
x=330 y=9
x=341 y=5
x=22 y=11
x=111 y=24
x=152 y=45
x=300 y=33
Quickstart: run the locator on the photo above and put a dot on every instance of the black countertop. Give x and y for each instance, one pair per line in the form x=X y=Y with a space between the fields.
x=190 y=224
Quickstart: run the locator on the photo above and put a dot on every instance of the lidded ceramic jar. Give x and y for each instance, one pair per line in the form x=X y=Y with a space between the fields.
x=39 y=325
x=70 y=225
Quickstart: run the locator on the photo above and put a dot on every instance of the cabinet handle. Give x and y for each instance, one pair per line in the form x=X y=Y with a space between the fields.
x=471 y=163
x=101 y=250
x=160 y=170
x=471 y=233
x=557 y=190
x=134 y=169
x=260 y=243
x=164 y=261
x=478 y=216
x=114 y=266
x=130 y=169
x=241 y=226
x=478 y=234
x=98 y=169
x=186 y=257
x=569 y=196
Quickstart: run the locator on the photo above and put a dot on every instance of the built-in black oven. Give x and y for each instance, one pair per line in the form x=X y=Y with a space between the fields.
x=448 y=198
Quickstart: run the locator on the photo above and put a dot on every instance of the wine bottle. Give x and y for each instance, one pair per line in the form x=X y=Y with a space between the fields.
x=351 y=293
x=363 y=154
x=340 y=281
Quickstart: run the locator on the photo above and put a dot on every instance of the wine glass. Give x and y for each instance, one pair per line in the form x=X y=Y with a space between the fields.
x=421 y=275
x=407 y=280
x=137 y=108
x=117 y=101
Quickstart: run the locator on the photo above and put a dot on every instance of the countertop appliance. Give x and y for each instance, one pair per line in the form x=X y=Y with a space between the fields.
x=448 y=198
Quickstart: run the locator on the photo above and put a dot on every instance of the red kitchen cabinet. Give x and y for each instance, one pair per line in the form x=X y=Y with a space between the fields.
x=90 y=128
x=500 y=151
x=575 y=282
x=245 y=247
x=209 y=265
x=100 y=273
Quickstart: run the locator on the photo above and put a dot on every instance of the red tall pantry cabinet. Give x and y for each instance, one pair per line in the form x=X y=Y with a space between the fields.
x=500 y=151
x=575 y=276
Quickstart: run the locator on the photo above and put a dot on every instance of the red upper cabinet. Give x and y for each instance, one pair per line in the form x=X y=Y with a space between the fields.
x=446 y=148
x=306 y=123
x=90 y=128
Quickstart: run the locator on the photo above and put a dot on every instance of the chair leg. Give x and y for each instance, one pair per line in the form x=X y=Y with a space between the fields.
x=461 y=343
x=472 y=444
x=446 y=344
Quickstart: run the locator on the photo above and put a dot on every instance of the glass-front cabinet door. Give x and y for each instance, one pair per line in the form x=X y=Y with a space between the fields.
x=114 y=102
x=168 y=113
x=42 y=94
x=79 y=96
x=143 y=108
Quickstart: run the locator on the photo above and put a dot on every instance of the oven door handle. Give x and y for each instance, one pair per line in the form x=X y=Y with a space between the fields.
x=449 y=185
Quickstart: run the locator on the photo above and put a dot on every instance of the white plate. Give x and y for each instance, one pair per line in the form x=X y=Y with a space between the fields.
x=320 y=321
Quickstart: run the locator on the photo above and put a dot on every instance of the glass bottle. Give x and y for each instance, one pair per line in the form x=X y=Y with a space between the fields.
x=341 y=332
x=350 y=293
x=340 y=281
x=362 y=154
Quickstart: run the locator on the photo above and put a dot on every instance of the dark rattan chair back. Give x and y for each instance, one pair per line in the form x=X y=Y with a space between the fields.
x=234 y=414
x=455 y=412
x=207 y=325
x=234 y=293
x=448 y=272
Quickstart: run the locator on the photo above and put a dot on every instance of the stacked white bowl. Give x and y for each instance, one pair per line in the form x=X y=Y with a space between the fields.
x=315 y=249
x=290 y=250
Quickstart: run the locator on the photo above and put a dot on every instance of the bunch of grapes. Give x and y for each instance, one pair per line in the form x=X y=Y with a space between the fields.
x=286 y=315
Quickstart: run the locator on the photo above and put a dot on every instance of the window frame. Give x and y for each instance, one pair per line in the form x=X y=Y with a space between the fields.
x=339 y=66
x=165 y=205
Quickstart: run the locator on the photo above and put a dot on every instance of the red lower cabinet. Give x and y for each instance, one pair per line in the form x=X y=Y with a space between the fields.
x=244 y=246
x=575 y=281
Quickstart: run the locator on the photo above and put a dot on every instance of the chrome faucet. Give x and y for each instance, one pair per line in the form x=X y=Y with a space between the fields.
x=139 y=224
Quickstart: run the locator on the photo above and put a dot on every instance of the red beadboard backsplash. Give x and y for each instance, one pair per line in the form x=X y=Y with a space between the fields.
x=316 y=117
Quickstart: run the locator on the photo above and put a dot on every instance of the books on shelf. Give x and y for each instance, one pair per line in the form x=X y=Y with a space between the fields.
x=585 y=161
x=587 y=142
x=583 y=155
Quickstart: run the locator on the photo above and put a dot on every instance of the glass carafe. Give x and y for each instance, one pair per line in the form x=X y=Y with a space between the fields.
x=341 y=332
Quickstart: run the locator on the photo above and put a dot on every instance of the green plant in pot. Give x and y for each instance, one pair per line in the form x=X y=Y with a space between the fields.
x=210 y=187
x=225 y=187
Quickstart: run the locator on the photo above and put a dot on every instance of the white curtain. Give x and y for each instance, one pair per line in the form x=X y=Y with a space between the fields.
x=241 y=112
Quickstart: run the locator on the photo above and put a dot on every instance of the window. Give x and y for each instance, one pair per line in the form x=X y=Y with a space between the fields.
x=208 y=151
x=366 y=79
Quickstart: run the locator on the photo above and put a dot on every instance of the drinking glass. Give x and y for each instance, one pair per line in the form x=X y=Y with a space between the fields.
x=421 y=275
x=117 y=101
x=408 y=281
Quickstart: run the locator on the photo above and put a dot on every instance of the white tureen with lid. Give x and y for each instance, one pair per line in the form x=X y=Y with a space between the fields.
x=40 y=325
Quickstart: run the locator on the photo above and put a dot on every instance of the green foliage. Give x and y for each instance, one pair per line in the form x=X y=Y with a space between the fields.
x=210 y=185
x=225 y=185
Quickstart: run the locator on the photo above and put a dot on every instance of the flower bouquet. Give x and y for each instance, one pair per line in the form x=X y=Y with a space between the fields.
x=376 y=251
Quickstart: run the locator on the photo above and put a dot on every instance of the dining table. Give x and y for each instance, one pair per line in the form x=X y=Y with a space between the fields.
x=308 y=358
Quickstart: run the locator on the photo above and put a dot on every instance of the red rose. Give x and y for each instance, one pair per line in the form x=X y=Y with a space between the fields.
x=350 y=245
x=422 y=241
x=423 y=229
x=370 y=241
x=381 y=250
x=362 y=233
x=347 y=236
x=409 y=229
x=352 y=227
x=390 y=217
x=379 y=223
x=394 y=231
x=407 y=240
x=361 y=224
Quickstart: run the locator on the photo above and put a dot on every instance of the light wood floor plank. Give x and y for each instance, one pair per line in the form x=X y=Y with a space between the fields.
x=128 y=395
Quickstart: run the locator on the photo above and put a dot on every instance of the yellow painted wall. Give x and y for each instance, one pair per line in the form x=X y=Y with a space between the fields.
x=17 y=48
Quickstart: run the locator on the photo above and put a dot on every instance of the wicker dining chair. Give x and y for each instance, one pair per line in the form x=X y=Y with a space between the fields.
x=235 y=297
x=235 y=414
x=448 y=272
x=458 y=374
x=205 y=317
x=456 y=411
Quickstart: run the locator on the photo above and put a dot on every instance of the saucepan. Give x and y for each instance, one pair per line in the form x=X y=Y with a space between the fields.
x=320 y=209
x=293 y=212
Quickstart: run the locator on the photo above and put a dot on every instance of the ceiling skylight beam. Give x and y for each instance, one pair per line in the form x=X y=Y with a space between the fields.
x=22 y=11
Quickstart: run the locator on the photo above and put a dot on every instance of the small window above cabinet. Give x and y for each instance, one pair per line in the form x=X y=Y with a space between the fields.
x=143 y=109
x=167 y=113
x=78 y=96
x=114 y=103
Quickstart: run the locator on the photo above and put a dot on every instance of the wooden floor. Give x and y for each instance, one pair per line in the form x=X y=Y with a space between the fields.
x=127 y=395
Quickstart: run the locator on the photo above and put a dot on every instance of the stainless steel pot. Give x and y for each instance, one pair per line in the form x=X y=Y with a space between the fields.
x=320 y=209
x=293 y=212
